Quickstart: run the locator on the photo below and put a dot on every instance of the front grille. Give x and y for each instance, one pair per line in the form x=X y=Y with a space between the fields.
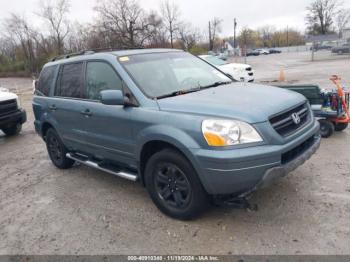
x=7 y=107
x=297 y=151
x=285 y=125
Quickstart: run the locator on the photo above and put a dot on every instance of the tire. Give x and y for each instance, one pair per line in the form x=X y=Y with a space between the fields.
x=174 y=186
x=57 y=151
x=13 y=130
x=326 y=128
x=340 y=126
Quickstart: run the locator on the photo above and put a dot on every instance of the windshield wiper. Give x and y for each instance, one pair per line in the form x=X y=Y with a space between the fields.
x=180 y=92
x=198 y=88
x=219 y=83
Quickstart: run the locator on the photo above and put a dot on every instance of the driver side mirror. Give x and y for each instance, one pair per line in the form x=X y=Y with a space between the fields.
x=113 y=98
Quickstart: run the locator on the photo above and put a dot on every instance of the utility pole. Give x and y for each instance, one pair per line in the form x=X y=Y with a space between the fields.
x=234 y=33
x=288 y=38
x=210 y=48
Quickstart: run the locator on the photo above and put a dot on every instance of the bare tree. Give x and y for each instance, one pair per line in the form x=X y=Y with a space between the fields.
x=56 y=15
x=248 y=38
x=21 y=34
x=171 y=14
x=156 y=31
x=8 y=47
x=214 y=29
x=265 y=34
x=189 y=36
x=320 y=16
x=124 y=22
x=342 y=20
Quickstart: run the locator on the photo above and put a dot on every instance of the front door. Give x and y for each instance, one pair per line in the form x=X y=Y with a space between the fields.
x=107 y=128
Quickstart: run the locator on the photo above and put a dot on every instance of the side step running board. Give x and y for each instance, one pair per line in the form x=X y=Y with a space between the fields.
x=123 y=174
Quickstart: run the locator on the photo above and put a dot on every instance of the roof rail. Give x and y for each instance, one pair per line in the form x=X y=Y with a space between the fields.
x=90 y=52
x=68 y=55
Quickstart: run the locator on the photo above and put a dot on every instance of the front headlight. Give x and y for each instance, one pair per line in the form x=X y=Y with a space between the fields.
x=228 y=132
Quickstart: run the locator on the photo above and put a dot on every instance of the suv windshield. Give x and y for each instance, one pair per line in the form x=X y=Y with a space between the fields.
x=172 y=73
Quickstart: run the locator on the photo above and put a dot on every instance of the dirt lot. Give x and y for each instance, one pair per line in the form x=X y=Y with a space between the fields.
x=83 y=211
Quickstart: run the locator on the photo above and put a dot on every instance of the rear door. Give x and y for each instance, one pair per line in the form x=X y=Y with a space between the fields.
x=66 y=105
x=108 y=131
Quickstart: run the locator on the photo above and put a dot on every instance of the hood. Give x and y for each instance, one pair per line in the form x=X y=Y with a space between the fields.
x=233 y=66
x=247 y=102
x=7 y=96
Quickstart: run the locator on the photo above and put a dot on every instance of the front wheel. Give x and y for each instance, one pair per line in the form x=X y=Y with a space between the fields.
x=12 y=130
x=340 y=126
x=57 y=151
x=326 y=128
x=174 y=185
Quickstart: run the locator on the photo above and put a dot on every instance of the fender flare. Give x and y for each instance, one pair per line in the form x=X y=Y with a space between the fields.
x=168 y=134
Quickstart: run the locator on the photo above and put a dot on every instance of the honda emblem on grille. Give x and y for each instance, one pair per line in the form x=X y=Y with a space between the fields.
x=296 y=118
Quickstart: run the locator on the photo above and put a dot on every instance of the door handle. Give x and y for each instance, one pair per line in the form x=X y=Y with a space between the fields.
x=86 y=113
x=53 y=107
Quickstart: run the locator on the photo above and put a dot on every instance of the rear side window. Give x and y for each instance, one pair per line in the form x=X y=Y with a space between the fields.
x=100 y=76
x=46 y=80
x=71 y=80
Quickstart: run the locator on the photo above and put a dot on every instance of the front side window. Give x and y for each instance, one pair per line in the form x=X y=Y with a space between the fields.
x=100 y=76
x=46 y=80
x=159 y=74
x=70 y=82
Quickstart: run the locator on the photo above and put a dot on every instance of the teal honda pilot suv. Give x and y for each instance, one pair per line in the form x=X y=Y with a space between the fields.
x=173 y=122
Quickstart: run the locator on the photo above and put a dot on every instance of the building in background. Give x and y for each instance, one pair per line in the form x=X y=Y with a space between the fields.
x=320 y=41
x=346 y=35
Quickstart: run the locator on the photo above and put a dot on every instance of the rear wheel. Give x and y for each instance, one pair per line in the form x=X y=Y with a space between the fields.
x=12 y=130
x=174 y=186
x=340 y=126
x=57 y=151
x=326 y=128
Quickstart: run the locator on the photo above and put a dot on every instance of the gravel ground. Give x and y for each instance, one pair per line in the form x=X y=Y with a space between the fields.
x=83 y=211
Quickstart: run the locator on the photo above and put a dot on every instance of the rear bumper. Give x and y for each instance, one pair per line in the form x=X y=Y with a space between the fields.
x=20 y=116
x=235 y=172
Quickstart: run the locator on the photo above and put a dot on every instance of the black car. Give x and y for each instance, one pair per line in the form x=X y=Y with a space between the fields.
x=275 y=51
x=252 y=53
x=320 y=47
x=341 y=49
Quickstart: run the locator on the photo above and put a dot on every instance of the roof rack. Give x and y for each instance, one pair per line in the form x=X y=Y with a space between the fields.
x=67 y=56
x=90 y=52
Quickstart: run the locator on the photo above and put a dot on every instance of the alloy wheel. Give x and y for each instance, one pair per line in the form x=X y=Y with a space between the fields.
x=172 y=186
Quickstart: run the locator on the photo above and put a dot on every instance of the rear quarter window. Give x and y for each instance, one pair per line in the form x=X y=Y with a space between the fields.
x=71 y=81
x=46 y=80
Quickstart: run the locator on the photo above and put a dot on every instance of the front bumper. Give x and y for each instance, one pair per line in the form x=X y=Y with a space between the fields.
x=276 y=172
x=248 y=76
x=19 y=116
x=240 y=171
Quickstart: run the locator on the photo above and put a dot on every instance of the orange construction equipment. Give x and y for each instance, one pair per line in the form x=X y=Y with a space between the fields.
x=282 y=76
x=346 y=117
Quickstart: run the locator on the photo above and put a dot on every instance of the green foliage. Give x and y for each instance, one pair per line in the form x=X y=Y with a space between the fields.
x=16 y=66
x=197 y=50
x=269 y=37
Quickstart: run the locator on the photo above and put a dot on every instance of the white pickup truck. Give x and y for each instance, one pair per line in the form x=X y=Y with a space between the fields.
x=12 y=116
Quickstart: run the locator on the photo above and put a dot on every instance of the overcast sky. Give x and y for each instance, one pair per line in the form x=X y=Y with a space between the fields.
x=252 y=13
